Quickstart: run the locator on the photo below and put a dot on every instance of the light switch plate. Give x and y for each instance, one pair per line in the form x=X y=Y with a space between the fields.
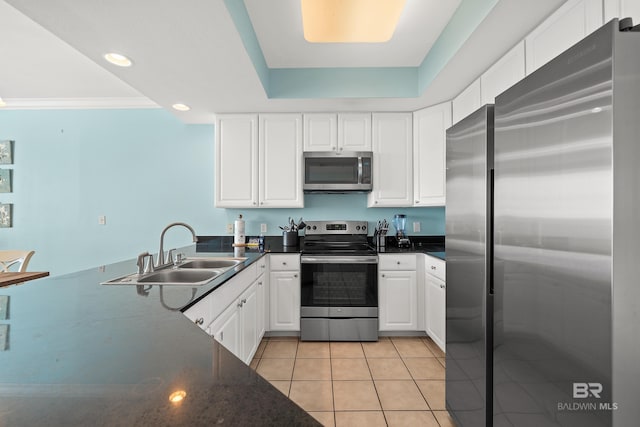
x=230 y=228
x=416 y=227
x=263 y=228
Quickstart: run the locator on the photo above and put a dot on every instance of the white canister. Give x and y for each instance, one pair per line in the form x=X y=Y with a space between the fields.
x=238 y=231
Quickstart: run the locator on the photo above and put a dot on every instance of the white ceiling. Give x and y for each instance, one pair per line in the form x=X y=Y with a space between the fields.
x=278 y=26
x=191 y=52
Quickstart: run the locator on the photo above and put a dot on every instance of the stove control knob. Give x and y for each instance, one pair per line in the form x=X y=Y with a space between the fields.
x=308 y=227
x=364 y=227
x=358 y=227
x=314 y=227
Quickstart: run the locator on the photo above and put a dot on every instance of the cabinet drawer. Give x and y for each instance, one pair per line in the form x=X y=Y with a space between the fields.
x=284 y=262
x=262 y=265
x=436 y=267
x=397 y=262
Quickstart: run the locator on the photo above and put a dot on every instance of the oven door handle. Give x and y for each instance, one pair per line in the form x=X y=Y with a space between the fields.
x=338 y=259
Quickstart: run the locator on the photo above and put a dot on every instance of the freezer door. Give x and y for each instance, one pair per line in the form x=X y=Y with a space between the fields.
x=553 y=225
x=468 y=220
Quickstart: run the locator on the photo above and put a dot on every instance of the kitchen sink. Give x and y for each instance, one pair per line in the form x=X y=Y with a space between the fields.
x=190 y=277
x=192 y=271
x=210 y=263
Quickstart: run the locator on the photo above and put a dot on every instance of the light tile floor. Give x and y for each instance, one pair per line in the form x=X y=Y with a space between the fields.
x=392 y=382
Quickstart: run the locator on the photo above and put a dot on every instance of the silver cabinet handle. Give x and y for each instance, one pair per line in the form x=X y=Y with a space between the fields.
x=263 y=266
x=239 y=304
x=259 y=283
x=254 y=203
x=441 y=286
x=383 y=275
x=417 y=201
x=244 y=301
x=199 y=321
x=295 y=275
x=433 y=267
x=284 y=263
x=398 y=262
x=221 y=335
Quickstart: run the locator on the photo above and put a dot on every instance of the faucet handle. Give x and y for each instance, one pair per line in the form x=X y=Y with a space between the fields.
x=149 y=267
x=140 y=262
x=170 y=256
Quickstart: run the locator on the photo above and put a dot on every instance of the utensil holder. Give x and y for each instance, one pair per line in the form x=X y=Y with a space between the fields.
x=290 y=238
x=381 y=242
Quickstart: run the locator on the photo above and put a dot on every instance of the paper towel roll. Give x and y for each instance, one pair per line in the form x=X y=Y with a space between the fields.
x=238 y=230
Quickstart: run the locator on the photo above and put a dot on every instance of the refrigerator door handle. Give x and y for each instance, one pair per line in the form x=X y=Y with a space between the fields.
x=491 y=179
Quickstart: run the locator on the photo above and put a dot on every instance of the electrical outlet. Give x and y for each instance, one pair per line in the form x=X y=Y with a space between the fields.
x=102 y=220
x=230 y=228
x=416 y=227
x=263 y=228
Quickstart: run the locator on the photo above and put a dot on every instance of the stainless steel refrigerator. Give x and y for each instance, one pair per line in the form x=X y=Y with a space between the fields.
x=543 y=245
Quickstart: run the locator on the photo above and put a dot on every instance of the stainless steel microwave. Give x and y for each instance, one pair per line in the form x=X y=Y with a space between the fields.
x=328 y=172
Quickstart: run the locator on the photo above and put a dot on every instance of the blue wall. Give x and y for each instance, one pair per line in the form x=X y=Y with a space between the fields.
x=142 y=169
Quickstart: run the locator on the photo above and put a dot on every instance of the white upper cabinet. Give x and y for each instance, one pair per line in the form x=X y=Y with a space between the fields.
x=354 y=131
x=320 y=132
x=566 y=26
x=467 y=102
x=236 y=160
x=280 y=161
x=622 y=9
x=392 y=160
x=337 y=132
x=429 y=154
x=509 y=70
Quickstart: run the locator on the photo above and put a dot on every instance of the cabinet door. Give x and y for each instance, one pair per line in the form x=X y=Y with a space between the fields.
x=280 y=161
x=467 y=102
x=566 y=26
x=429 y=155
x=249 y=323
x=436 y=309
x=226 y=329
x=621 y=9
x=506 y=72
x=398 y=291
x=320 y=132
x=236 y=161
x=261 y=301
x=354 y=132
x=392 y=160
x=284 y=301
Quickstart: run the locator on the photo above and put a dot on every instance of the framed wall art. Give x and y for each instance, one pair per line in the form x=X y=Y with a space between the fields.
x=5 y=181
x=6 y=152
x=5 y=215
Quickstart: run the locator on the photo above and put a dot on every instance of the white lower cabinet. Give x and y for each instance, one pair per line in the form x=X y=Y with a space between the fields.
x=284 y=292
x=235 y=313
x=397 y=293
x=435 y=300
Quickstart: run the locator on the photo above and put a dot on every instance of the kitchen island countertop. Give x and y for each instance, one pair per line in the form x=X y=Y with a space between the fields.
x=75 y=352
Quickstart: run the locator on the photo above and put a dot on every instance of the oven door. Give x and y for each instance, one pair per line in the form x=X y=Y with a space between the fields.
x=339 y=281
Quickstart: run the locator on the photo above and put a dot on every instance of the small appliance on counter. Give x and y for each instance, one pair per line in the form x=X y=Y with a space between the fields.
x=400 y=224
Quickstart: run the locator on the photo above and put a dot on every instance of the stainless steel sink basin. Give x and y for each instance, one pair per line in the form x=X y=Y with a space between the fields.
x=210 y=263
x=192 y=272
x=190 y=277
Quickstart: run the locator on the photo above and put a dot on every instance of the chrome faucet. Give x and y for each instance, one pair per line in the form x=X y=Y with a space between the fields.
x=161 y=251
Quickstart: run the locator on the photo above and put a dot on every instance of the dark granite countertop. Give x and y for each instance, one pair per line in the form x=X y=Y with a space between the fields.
x=80 y=353
x=430 y=245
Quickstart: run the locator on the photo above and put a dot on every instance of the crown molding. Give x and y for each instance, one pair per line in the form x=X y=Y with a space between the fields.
x=77 y=103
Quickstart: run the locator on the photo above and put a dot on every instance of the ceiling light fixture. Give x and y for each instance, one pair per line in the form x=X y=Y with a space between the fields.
x=181 y=107
x=118 y=59
x=350 y=21
x=2 y=103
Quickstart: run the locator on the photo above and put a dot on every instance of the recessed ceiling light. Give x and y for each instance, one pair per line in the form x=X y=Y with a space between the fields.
x=350 y=21
x=181 y=107
x=118 y=59
x=2 y=103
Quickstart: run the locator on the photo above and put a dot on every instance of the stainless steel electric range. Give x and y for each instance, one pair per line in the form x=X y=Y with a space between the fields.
x=339 y=283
